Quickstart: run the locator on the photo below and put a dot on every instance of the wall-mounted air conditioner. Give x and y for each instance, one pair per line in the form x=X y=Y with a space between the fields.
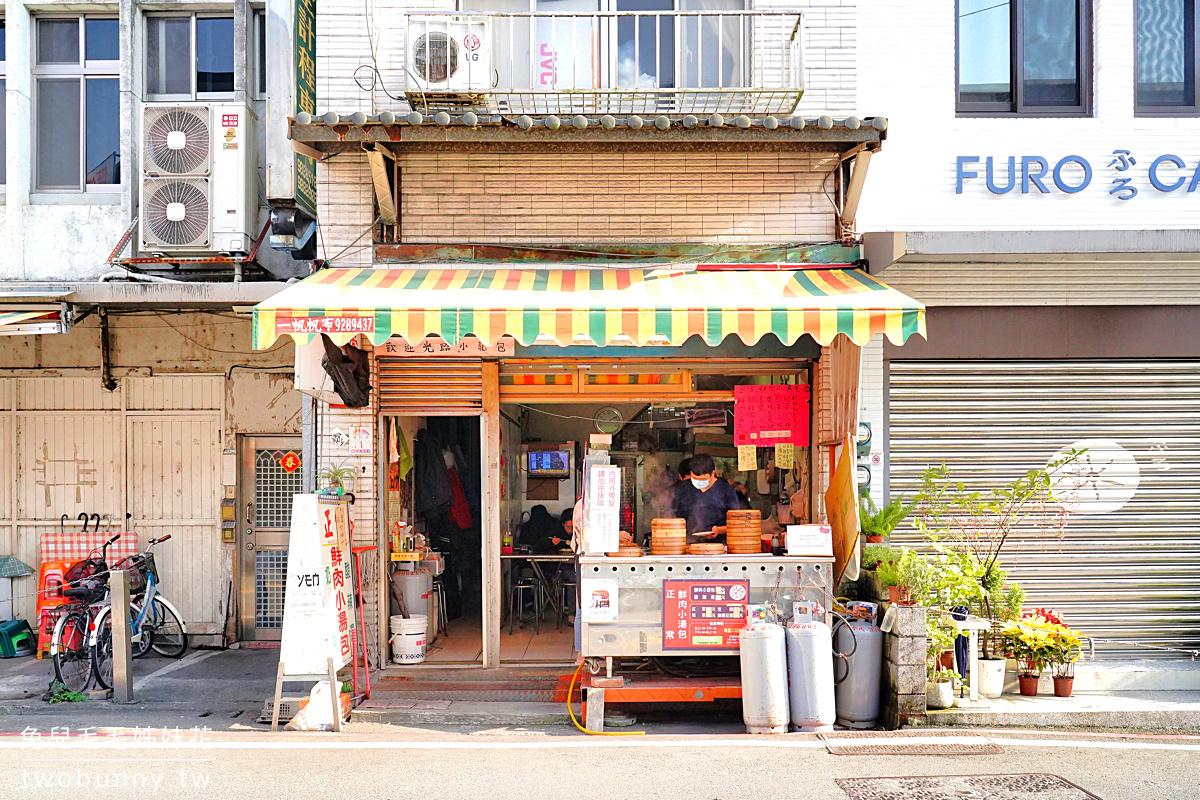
x=199 y=185
x=449 y=54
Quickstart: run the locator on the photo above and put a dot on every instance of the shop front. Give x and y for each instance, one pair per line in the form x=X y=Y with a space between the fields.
x=517 y=409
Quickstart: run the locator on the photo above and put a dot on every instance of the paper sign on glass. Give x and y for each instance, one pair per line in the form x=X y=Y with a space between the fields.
x=785 y=455
x=747 y=457
x=598 y=599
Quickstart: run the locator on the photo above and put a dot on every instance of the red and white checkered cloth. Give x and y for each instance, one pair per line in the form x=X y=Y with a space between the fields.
x=76 y=545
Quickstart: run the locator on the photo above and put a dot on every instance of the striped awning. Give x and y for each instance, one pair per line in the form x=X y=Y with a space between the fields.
x=655 y=306
x=16 y=323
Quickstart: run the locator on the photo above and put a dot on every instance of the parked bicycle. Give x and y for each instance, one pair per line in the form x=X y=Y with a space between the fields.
x=86 y=587
x=154 y=622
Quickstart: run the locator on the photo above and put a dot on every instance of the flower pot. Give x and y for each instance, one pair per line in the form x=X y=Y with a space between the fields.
x=874 y=540
x=939 y=695
x=1063 y=686
x=1029 y=685
x=946 y=659
x=899 y=595
x=991 y=677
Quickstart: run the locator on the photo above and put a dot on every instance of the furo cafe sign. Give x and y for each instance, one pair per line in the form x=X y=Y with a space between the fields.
x=1124 y=175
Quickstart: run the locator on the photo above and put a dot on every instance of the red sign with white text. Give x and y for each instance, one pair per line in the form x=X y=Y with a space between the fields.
x=768 y=415
x=325 y=325
x=704 y=614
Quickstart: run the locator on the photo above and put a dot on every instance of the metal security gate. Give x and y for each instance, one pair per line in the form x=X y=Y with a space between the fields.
x=441 y=386
x=1127 y=565
x=270 y=477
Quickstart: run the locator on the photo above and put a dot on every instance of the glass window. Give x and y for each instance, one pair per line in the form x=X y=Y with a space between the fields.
x=260 y=55
x=58 y=41
x=77 y=107
x=58 y=115
x=1166 y=56
x=102 y=146
x=166 y=39
x=644 y=59
x=3 y=133
x=100 y=40
x=3 y=42
x=984 y=55
x=214 y=54
x=1024 y=56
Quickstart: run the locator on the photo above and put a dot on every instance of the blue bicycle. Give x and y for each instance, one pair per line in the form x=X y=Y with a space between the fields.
x=154 y=622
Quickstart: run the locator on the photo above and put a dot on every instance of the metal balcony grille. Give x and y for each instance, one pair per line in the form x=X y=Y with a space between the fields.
x=644 y=62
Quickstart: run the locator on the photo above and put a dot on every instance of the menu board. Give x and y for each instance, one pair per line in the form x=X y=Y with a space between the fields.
x=602 y=506
x=703 y=614
x=770 y=415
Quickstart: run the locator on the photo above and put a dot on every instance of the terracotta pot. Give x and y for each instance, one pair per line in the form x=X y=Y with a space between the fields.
x=1029 y=685
x=947 y=659
x=874 y=540
x=899 y=595
x=1063 y=686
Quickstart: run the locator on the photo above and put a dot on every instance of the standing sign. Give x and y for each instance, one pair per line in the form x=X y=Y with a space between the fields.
x=318 y=623
x=603 y=506
x=769 y=415
x=704 y=614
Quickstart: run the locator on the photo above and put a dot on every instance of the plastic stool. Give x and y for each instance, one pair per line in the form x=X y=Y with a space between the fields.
x=16 y=639
x=566 y=592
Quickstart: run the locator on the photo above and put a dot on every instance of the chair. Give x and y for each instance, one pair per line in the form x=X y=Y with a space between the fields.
x=517 y=602
x=442 y=619
x=51 y=581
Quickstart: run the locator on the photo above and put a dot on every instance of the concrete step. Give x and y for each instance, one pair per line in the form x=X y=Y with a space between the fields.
x=472 y=713
x=1177 y=711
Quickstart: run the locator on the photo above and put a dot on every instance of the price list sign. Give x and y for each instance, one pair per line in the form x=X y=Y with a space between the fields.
x=769 y=415
x=603 y=506
x=703 y=614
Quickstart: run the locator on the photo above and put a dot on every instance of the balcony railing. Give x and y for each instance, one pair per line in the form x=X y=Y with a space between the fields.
x=636 y=62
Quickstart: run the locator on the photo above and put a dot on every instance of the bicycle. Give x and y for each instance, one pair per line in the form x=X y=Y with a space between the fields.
x=87 y=582
x=154 y=621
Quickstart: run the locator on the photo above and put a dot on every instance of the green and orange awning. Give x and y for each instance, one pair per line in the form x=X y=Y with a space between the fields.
x=657 y=306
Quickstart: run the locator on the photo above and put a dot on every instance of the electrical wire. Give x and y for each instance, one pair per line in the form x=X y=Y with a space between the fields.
x=571 y=711
x=218 y=350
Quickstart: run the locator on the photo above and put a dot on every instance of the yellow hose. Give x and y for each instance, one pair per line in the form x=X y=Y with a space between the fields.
x=571 y=711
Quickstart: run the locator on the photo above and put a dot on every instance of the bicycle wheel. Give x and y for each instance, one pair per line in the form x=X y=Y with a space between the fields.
x=141 y=645
x=169 y=639
x=102 y=654
x=72 y=662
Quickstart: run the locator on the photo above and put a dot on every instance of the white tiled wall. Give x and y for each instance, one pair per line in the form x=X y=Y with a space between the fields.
x=906 y=72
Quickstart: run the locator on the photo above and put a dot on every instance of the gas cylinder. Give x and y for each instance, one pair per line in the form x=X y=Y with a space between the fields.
x=810 y=676
x=857 y=675
x=763 y=657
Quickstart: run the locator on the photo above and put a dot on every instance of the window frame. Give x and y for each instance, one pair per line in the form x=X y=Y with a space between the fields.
x=191 y=16
x=4 y=93
x=1169 y=111
x=258 y=48
x=81 y=72
x=1084 y=51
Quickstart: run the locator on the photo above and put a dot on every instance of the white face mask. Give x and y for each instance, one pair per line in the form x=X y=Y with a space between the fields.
x=700 y=483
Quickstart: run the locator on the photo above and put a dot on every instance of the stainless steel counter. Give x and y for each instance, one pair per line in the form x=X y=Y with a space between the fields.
x=638 y=630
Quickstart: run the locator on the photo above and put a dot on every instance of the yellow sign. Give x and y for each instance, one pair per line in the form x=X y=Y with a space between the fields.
x=747 y=457
x=785 y=455
x=841 y=506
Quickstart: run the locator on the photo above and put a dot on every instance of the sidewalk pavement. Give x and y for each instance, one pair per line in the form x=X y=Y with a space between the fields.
x=226 y=690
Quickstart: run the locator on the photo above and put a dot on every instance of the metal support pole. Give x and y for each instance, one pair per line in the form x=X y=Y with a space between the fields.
x=122 y=655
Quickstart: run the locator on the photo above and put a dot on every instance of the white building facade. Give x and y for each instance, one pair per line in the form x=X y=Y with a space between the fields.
x=129 y=388
x=1039 y=193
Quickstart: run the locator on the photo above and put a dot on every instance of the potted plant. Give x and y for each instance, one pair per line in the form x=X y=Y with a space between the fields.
x=873 y=555
x=939 y=686
x=334 y=476
x=1063 y=651
x=907 y=577
x=1028 y=639
x=878 y=523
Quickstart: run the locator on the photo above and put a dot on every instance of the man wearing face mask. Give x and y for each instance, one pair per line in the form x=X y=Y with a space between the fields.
x=704 y=499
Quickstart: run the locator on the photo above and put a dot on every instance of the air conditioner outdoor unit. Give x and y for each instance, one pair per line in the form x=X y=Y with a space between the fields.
x=199 y=185
x=449 y=54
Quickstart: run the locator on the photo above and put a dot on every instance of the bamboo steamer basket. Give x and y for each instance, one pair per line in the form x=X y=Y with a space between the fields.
x=668 y=536
x=626 y=551
x=744 y=531
x=713 y=549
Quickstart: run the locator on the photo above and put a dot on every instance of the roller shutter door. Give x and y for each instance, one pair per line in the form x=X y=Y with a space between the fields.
x=1127 y=565
x=433 y=386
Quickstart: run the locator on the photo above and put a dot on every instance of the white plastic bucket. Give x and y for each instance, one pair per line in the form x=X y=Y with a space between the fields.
x=408 y=639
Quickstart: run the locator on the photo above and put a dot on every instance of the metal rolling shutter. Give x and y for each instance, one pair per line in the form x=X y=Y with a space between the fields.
x=1130 y=573
x=433 y=386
